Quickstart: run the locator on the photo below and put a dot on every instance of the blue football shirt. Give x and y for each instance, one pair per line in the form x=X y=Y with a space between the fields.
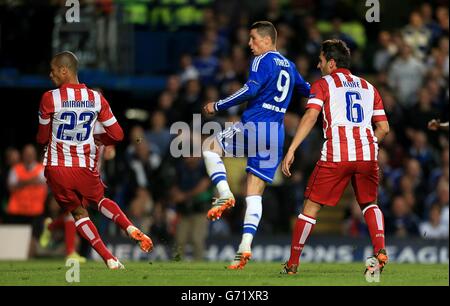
x=269 y=89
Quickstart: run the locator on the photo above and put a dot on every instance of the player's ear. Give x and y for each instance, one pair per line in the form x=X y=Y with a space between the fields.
x=63 y=70
x=332 y=64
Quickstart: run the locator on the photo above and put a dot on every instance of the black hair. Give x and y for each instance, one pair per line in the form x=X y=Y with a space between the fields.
x=337 y=50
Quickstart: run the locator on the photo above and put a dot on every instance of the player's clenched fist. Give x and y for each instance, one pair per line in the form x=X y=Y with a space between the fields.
x=209 y=108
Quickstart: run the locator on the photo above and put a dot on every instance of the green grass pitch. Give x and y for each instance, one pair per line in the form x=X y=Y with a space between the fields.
x=53 y=272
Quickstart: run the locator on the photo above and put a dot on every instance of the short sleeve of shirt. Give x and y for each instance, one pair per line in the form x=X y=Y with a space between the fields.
x=318 y=95
x=378 y=108
x=105 y=116
x=46 y=108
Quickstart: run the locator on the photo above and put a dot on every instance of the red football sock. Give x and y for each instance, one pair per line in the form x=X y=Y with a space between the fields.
x=303 y=228
x=70 y=232
x=375 y=222
x=112 y=211
x=56 y=223
x=89 y=232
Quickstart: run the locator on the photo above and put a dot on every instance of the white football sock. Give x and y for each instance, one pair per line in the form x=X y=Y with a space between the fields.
x=253 y=215
x=217 y=173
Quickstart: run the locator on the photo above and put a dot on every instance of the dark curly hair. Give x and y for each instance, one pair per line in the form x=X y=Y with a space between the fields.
x=337 y=49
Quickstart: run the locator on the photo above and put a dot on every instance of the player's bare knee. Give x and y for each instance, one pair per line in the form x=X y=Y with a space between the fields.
x=255 y=185
x=311 y=209
x=211 y=145
x=79 y=213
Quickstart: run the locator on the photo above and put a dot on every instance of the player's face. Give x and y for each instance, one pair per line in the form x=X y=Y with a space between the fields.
x=324 y=65
x=256 y=43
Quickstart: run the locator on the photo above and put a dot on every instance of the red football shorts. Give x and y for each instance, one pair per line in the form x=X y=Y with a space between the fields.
x=74 y=186
x=329 y=180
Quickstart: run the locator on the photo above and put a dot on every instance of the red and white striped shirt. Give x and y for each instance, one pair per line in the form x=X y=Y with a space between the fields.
x=67 y=116
x=349 y=105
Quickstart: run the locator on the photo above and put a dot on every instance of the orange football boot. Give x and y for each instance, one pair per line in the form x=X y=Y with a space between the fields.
x=240 y=260
x=377 y=261
x=219 y=206
x=382 y=258
x=142 y=239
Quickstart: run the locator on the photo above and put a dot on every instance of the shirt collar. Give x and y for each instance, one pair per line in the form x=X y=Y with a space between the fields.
x=342 y=70
x=76 y=86
x=267 y=52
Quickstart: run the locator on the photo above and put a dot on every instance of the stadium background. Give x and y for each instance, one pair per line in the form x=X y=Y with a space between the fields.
x=159 y=61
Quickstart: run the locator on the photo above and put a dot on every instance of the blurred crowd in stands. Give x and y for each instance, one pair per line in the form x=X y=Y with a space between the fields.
x=169 y=197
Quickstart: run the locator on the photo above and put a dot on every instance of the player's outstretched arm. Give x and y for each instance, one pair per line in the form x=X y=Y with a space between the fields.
x=260 y=72
x=113 y=134
x=304 y=128
x=248 y=91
